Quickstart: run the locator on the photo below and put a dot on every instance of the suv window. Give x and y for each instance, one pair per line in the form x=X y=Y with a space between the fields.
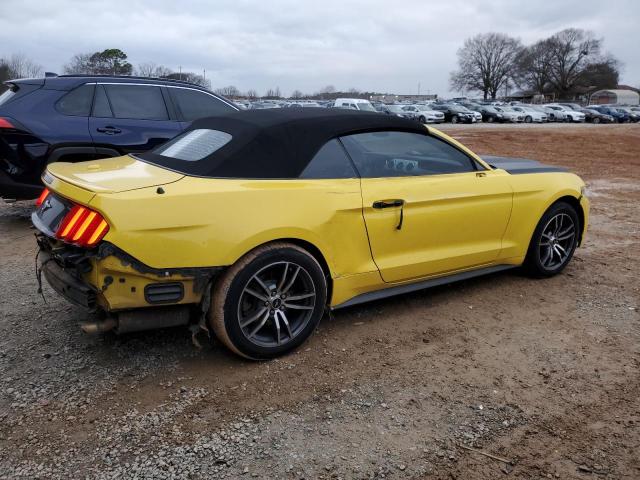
x=331 y=161
x=404 y=154
x=77 y=102
x=138 y=102
x=101 y=107
x=194 y=104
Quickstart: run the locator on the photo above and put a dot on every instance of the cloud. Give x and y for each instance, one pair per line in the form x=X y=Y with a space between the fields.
x=373 y=45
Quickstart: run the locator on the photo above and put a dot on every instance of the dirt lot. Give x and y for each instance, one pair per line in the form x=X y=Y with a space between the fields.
x=543 y=374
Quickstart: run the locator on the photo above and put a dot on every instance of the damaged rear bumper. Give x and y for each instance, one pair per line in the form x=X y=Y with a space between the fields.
x=107 y=278
x=74 y=290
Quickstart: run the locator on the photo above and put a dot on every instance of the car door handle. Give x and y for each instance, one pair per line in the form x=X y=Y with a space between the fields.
x=388 y=203
x=109 y=130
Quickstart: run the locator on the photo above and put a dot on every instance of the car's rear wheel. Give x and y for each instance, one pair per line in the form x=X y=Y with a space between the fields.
x=422 y=119
x=528 y=119
x=554 y=241
x=490 y=119
x=595 y=120
x=454 y=119
x=269 y=302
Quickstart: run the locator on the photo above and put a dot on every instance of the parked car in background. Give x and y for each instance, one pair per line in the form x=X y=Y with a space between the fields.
x=509 y=114
x=354 y=104
x=454 y=113
x=489 y=113
x=531 y=114
x=620 y=117
x=594 y=116
x=399 y=111
x=74 y=117
x=552 y=115
x=633 y=115
x=571 y=115
x=423 y=113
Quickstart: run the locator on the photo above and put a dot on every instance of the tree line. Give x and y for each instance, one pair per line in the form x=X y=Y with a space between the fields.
x=565 y=65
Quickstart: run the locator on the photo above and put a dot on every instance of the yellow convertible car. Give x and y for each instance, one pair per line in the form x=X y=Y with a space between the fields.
x=254 y=223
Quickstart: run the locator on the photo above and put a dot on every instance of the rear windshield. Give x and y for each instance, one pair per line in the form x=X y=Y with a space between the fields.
x=194 y=145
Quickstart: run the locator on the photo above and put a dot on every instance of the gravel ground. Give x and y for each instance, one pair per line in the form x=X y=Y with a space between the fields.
x=543 y=375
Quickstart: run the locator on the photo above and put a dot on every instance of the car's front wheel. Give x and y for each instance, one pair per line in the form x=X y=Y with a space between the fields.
x=528 y=119
x=269 y=301
x=422 y=119
x=454 y=119
x=554 y=241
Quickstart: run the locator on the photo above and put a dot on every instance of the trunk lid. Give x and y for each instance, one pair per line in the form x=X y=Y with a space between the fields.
x=109 y=175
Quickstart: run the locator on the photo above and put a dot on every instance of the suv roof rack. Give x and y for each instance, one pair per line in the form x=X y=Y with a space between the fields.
x=133 y=77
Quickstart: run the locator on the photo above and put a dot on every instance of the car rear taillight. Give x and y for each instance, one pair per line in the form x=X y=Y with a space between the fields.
x=43 y=196
x=82 y=227
x=4 y=123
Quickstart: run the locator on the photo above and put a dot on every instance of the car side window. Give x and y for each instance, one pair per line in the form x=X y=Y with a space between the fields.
x=331 y=161
x=101 y=107
x=194 y=104
x=403 y=154
x=77 y=102
x=137 y=102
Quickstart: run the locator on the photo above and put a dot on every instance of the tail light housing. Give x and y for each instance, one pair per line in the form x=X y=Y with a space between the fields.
x=5 y=123
x=83 y=227
x=43 y=196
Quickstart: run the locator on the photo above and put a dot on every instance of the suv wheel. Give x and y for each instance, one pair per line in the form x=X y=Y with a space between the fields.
x=269 y=301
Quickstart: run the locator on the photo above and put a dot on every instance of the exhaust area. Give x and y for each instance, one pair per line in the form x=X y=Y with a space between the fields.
x=139 y=320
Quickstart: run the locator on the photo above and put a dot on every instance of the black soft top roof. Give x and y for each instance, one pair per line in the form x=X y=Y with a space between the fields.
x=277 y=143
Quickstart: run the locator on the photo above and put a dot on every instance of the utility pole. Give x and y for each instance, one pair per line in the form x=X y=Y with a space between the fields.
x=180 y=71
x=418 y=88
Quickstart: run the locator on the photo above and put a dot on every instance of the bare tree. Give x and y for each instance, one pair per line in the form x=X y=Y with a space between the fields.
x=151 y=69
x=251 y=94
x=19 y=66
x=533 y=67
x=296 y=94
x=572 y=50
x=273 y=93
x=79 y=64
x=485 y=63
x=229 y=91
x=189 y=77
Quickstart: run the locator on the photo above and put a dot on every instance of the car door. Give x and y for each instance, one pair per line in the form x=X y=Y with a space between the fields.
x=131 y=117
x=429 y=208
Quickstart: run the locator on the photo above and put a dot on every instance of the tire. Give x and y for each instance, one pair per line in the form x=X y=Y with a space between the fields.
x=569 y=118
x=554 y=241
x=273 y=323
x=422 y=119
x=490 y=119
x=454 y=119
x=528 y=119
x=595 y=120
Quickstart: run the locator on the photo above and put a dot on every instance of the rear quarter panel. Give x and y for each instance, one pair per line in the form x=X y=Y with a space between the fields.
x=201 y=222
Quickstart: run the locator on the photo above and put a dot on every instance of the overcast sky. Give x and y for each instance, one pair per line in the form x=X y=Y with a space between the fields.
x=386 y=46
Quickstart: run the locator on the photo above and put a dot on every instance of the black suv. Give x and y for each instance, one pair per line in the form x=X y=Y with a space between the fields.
x=75 y=118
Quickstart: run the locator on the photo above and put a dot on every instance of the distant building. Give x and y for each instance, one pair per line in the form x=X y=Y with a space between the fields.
x=619 y=96
x=391 y=98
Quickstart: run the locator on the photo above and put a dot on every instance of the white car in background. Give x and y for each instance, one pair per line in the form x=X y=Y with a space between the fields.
x=530 y=114
x=552 y=115
x=422 y=113
x=509 y=114
x=354 y=104
x=571 y=115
